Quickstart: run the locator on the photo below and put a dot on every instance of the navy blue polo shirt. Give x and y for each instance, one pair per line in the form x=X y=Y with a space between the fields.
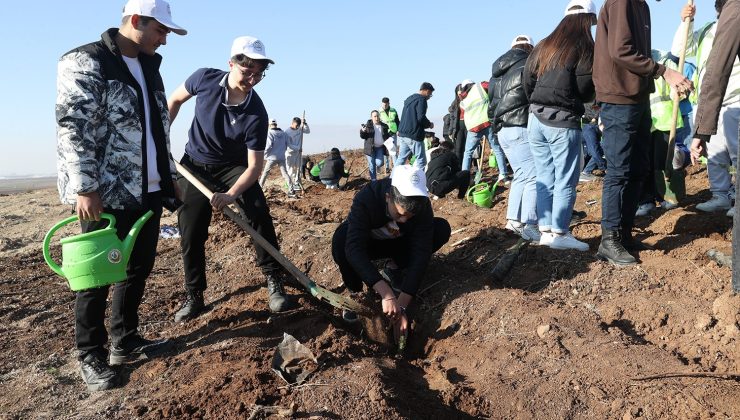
x=223 y=133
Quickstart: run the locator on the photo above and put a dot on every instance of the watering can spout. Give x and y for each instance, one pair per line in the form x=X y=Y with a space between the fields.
x=128 y=243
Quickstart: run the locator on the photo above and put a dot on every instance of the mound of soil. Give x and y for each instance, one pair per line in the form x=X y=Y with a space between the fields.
x=562 y=336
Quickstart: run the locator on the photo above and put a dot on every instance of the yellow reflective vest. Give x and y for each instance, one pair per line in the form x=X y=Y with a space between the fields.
x=661 y=103
x=475 y=106
x=390 y=117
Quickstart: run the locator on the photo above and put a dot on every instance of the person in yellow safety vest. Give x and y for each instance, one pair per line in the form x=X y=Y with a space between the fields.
x=474 y=103
x=722 y=147
x=389 y=116
x=661 y=110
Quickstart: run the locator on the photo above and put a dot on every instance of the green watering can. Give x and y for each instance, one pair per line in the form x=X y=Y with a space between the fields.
x=482 y=194
x=94 y=259
x=492 y=161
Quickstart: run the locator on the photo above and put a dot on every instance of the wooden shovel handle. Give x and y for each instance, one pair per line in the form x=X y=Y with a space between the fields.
x=295 y=271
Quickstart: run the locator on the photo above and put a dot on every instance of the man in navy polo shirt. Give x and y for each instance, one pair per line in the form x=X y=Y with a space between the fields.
x=225 y=150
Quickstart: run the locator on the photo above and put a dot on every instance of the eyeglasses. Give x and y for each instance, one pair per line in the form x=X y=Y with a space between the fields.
x=251 y=75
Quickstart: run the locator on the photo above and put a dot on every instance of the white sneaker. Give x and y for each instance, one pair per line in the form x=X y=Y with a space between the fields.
x=567 y=241
x=546 y=238
x=717 y=203
x=531 y=233
x=514 y=226
x=505 y=179
x=731 y=212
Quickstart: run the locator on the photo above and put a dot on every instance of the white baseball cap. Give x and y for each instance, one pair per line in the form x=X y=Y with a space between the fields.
x=157 y=9
x=587 y=6
x=409 y=180
x=251 y=47
x=522 y=40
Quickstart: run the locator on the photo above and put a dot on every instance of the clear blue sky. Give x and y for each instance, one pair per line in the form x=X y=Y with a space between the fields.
x=334 y=59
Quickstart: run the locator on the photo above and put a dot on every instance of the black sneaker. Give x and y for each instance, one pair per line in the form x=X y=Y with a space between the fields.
x=578 y=216
x=394 y=277
x=138 y=348
x=97 y=374
x=193 y=306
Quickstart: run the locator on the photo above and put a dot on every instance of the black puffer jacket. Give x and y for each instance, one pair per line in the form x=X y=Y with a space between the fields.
x=509 y=106
x=565 y=88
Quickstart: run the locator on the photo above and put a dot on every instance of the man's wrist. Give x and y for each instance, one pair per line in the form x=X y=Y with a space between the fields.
x=702 y=137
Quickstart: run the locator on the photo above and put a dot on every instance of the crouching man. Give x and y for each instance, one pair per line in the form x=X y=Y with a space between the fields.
x=391 y=218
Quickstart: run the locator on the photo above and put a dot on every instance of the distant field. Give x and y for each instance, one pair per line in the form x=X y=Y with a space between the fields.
x=16 y=185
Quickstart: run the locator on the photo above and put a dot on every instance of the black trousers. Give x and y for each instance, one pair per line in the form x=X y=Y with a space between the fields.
x=396 y=249
x=657 y=152
x=90 y=333
x=195 y=214
x=460 y=137
x=626 y=148
x=461 y=181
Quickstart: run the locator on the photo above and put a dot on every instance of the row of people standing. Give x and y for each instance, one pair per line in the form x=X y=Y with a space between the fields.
x=284 y=149
x=406 y=134
x=538 y=115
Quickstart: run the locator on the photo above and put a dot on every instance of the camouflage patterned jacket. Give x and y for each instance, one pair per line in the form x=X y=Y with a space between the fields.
x=101 y=144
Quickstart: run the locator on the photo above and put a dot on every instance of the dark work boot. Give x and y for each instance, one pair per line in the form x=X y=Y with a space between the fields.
x=137 y=348
x=612 y=250
x=97 y=374
x=278 y=300
x=193 y=306
x=631 y=244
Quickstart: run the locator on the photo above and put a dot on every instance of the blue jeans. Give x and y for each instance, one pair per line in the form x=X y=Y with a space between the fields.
x=592 y=138
x=557 y=154
x=522 y=205
x=626 y=147
x=375 y=161
x=683 y=134
x=472 y=141
x=493 y=141
x=408 y=147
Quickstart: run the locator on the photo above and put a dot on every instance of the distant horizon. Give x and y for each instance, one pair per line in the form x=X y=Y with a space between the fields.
x=333 y=60
x=347 y=138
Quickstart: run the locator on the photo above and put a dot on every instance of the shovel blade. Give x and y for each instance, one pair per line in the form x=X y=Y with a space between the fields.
x=338 y=301
x=671 y=186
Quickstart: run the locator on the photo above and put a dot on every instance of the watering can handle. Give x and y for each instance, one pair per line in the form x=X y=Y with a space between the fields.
x=47 y=239
x=468 y=194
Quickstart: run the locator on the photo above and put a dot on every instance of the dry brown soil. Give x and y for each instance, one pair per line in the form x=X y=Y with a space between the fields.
x=563 y=336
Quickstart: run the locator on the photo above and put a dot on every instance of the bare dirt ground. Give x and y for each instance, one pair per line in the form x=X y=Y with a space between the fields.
x=563 y=336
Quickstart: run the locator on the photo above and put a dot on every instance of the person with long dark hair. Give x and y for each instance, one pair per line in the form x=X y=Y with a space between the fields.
x=557 y=81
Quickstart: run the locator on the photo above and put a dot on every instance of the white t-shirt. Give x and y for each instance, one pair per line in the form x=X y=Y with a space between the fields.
x=153 y=177
x=378 y=140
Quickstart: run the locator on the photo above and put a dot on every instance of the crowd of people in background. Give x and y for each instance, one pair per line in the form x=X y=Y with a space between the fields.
x=543 y=103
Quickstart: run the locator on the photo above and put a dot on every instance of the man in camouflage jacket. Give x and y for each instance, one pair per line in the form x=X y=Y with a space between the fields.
x=113 y=156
